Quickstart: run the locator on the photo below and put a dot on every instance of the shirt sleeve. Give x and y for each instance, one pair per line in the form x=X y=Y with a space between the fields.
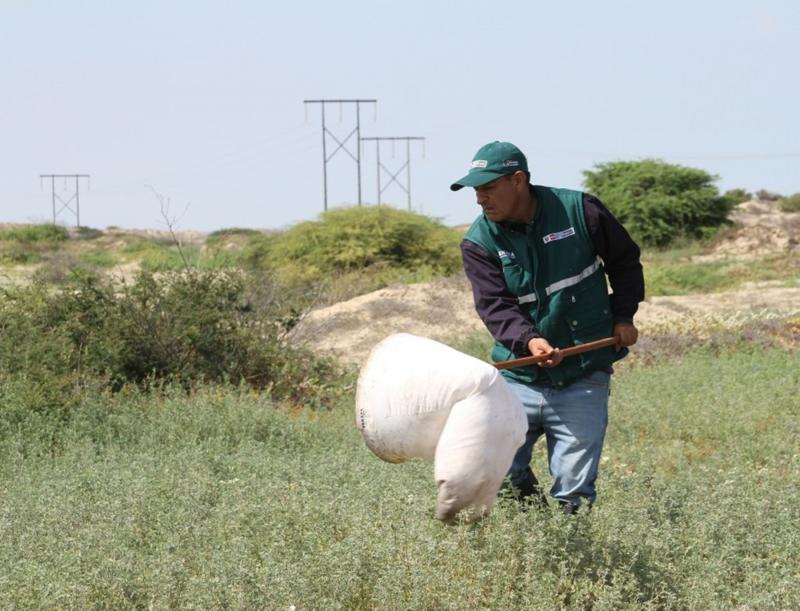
x=497 y=307
x=620 y=256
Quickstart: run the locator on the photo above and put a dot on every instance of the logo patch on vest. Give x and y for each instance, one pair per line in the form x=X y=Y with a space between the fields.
x=552 y=237
x=507 y=254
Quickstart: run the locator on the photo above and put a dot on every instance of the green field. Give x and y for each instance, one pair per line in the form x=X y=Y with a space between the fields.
x=162 y=445
x=218 y=499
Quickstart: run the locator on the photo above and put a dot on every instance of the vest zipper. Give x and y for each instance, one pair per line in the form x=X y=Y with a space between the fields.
x=532 y=256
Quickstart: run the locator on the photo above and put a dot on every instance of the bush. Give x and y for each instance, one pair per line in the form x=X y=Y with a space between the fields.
x=356 y=239
x=790 y=203
x=232 y=231
x=35 y=233
x=27 y=244
x=737 y=196
x=57 y=266
x=185 y=328
x=87 y=233
x=767 y=196
x=659 y=202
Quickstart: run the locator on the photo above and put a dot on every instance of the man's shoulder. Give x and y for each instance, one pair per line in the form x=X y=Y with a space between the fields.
x=561 y=193
x=478 y=227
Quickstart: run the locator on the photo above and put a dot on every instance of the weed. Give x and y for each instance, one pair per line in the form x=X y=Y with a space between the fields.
x=87 y=233
x=790 y=203
x=35 y=233
x=218 y=499
x=182 y=328
x=674 y=273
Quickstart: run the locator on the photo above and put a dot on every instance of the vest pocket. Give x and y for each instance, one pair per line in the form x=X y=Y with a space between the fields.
x=587 y=315
x=515 y=278
x=588 y=328
x=587 y=325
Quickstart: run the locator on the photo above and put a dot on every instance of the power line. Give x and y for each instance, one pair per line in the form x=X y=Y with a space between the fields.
x=406 y=166
x=744 y=157
x=712 y=157
x=342 y=143
x=75 y=195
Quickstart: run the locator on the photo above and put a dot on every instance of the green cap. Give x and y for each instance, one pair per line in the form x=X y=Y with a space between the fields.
x=492 y=161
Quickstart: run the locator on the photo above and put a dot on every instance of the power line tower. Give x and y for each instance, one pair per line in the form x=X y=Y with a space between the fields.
x=342 y=143
x=406 y=166
x=76 y=195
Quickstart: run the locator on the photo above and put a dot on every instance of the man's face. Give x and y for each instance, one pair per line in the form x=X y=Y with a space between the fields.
x=499 y=199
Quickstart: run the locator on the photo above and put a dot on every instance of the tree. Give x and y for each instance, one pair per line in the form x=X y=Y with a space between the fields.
x=659 y=202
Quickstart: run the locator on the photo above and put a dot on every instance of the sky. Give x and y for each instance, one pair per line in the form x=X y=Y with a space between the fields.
x=200 y=103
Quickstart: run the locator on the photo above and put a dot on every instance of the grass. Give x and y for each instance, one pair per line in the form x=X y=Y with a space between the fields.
x=98 y=258
x=219 y=499
x=34 y=233
x=790 y=203
x=674 y=273
x=28 y=244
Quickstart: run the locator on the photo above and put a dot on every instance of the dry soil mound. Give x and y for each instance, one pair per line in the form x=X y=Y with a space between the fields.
x=760 y=228
x=443 y=310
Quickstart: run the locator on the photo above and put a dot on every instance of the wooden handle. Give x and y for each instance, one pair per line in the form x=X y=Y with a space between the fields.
x=565 y=352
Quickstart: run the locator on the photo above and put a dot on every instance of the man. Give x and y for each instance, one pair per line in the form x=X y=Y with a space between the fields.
x=537 y=258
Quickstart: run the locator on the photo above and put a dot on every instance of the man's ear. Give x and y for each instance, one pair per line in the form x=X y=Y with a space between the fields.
x=520 y=179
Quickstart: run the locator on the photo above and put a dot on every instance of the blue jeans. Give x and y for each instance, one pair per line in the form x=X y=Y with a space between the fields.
x=573 y=420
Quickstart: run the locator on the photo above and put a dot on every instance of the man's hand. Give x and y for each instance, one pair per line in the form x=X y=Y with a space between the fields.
x=626 y=334
x=539 y=346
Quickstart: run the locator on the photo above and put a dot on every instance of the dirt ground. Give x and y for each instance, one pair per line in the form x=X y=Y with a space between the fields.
x=443 y=310
x=760 y=228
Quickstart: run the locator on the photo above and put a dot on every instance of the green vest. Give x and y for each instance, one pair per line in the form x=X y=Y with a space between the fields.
x=551 y=267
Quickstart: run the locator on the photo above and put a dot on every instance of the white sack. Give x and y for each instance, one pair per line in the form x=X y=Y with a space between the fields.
x=417 y=398
x=475 y=450
x=406 y=390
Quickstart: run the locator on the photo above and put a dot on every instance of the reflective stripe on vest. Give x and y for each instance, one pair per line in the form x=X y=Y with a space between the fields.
x=562 y=284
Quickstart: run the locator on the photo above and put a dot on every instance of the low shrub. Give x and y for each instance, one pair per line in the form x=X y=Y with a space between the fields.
x=35 y=233
x=358 y=239
x=737 y=196
x=228 y=248
x=27 y=244
x=22 y=253
x=767 y=196
x=231 y=231
x=790 y=203
x=87 y=233
x=182 y=328
x=57 y=266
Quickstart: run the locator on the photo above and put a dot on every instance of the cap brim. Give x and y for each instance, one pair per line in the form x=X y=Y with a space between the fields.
x=476 y=179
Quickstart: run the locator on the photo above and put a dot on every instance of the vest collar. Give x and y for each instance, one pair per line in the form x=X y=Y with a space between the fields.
x=537 y=215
